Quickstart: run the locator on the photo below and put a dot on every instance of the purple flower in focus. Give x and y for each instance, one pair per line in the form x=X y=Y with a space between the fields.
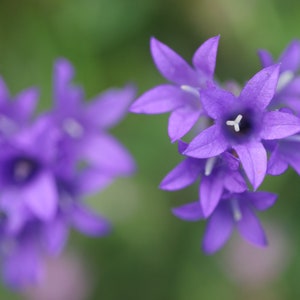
x=288 y=87
x=234 y=210
x=83 y=125
x=217 y=175
x=181 y=98
x=16 y=113
x=241 y=123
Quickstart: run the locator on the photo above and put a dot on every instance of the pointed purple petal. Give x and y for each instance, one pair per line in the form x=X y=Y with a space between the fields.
x=41 y=197
x=183 y=175
x=88 y=222
x=25 y=103
x=181 y=121
x=262 y=200
x=260 y=89
x=290 y=58
x=278 y=125
x=210 y=192
x=105 y=152
x=253 y=157
x=216 y=102
x=161 y=99
x=250 y=228
x=55 y=235
x=204 y=58
x=234 y=182
x=276 y=165
x=210 y=142
x=91 y=181
x=189 y=212
x=171 y=65
x=218 y=229
x=107 y=109
x=266 y=58
x=182 y=146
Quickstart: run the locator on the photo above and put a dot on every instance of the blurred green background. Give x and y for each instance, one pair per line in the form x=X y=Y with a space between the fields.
x=151 y=254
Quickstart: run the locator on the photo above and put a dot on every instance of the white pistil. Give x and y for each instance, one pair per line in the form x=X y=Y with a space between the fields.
x=73 y=128
x=284 y=79
x=210 y=163
x=235 y=123
x=236 y=211
x=191 y=90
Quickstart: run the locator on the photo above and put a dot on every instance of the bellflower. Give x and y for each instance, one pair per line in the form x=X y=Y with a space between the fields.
x=181 y=98
x=234 y=210
x=242 y=123
x=288 y=88
x=83 y=126
x=217 y=174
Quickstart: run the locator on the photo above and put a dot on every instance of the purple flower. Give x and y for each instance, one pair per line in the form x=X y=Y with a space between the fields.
x=182 y=97
x=234 y=210
x=16 y=113
x=217 y=175
x=241 y=123
x=288 y=87
x=83 y=125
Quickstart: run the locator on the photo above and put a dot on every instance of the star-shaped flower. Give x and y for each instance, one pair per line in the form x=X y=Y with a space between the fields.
x=242 y=123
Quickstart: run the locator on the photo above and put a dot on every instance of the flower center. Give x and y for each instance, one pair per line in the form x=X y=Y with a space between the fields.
x=22 y=169
x=239 y=125
x=235 y=123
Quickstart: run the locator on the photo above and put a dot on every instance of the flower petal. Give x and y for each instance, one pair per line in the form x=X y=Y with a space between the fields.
x=216 y=102
x=218 y=229
x=260 y=89
x=25 y=103
x=210 y=192
x=290 y=58
x=161 y=99
x=41 y=197
x=106 y=153
x=276 y=164
x=181 y=121
x=250 y=228
x=210 y=142
x=88 y=222
x=183 y=175
x=108 y=108
x=261 y=200
x=266 y=58
x=235 y=182
x=55 y=235
x=204 y=58
x=189 y=212
x=171 y=65
x=278 y=125
x=253 y=157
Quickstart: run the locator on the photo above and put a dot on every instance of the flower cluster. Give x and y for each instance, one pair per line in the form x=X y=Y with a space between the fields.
x=48 y=164
x=236 y=139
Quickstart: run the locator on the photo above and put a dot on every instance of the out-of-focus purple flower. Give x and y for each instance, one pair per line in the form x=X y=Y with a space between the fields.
x=288 y=87
x=181 y=98
x=234 y=210
x=241 y=123
x=16 y=112
x=83 y=125
x=217 y=174
x=27 y=179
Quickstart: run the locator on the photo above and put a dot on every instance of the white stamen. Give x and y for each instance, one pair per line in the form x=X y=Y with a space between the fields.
x=235 y=123
x=284 y=79
x=190 y=89
x=237 y=214
x=210 y=163
x=73 y=128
